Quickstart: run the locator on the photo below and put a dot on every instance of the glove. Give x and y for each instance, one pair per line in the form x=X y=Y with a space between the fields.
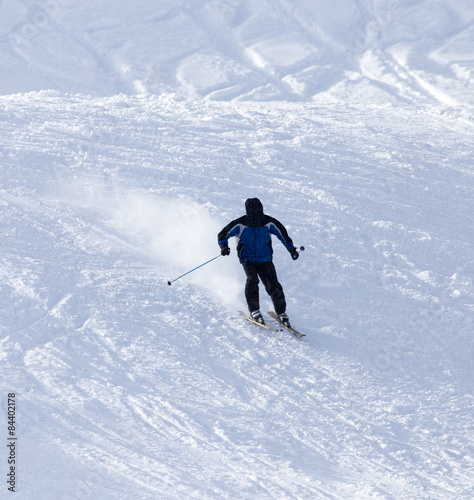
x=225 y=250
x=294 y=253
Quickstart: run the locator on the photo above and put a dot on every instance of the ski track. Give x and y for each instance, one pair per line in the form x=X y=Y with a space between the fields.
x=291 y=50
x=130 y=388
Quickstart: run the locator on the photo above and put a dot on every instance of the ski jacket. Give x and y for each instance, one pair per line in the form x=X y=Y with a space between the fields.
x=254 y=242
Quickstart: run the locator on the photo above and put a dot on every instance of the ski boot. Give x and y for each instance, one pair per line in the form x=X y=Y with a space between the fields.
x=284 y=320
x=257 y=316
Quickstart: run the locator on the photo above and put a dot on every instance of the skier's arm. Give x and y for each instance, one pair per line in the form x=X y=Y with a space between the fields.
x=279 y=230
x=232 y=229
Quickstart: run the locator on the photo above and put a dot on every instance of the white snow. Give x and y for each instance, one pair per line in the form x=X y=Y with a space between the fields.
x=130 y=133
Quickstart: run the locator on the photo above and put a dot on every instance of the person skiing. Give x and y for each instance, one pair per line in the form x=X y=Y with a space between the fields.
x=254 y=249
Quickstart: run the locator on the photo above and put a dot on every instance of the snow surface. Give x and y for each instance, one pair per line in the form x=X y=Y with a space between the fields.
x=130 y=133
x=417 y=51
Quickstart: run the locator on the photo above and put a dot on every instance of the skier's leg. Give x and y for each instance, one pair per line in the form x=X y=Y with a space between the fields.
x=251 y=286
x=267 y=273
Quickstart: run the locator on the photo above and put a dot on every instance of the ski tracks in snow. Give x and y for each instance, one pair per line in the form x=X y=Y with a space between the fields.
x=141 y=387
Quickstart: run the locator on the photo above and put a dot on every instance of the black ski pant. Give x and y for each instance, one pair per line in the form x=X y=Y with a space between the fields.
x=267 y=273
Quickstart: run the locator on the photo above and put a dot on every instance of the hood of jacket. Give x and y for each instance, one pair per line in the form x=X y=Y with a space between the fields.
x=254 y=210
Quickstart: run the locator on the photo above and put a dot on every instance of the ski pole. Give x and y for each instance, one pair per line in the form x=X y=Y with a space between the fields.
x=207 y=262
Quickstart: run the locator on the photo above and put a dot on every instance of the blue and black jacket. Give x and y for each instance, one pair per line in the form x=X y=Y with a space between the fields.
x=253 y=232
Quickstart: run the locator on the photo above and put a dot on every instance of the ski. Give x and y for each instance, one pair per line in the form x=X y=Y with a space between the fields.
x=294 y=332
x=248 y=318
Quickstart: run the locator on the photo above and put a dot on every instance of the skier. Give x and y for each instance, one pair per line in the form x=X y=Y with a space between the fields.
x=254 y=249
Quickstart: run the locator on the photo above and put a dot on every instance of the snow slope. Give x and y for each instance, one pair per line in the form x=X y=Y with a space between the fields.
x=297 y=50
x=129 y=388
x=120 y=162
